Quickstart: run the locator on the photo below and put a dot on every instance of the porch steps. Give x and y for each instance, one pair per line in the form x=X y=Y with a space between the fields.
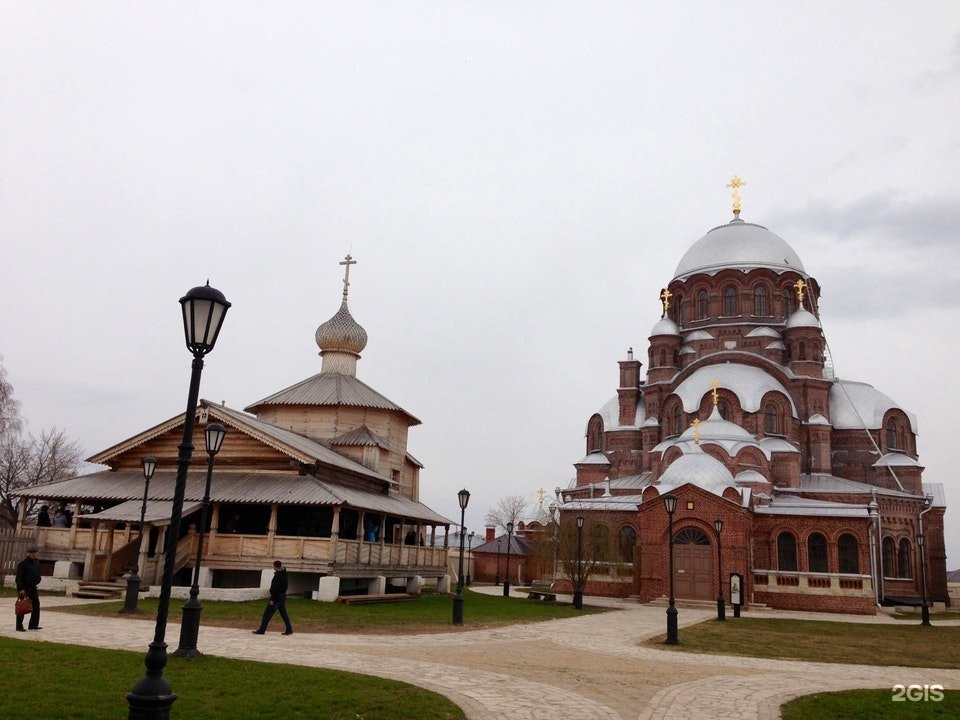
x=101 y=590
x=371 y=599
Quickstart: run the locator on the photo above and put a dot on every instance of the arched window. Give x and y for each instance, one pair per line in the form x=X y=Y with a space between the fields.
x=892 y=443
x=599 y=540
x=760 y=300
x=626 y=542
x=595 y=434
x=788 y=302
x=889 y=557
x=817 y=553
x=848 y=552
x=677 y=419
x=802 y=351
x=771 y=419
x=703 y=305
x=691 y=536
x=730 y=301
x=678 y=309
x=786 y=552
x=663 y=357
x=903 y=559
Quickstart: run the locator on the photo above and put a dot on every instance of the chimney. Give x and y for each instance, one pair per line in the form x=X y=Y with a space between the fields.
x=491 y=533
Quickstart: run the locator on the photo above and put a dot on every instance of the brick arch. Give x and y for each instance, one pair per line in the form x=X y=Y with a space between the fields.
x=752 y=458
x=784 y=414
x=900 y=423
x=670 y=407
x=595 y=435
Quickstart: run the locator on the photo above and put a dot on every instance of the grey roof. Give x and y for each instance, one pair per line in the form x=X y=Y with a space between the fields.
x=764 y=331
x=738 y=244
x=802 y=318
x=158 y=512
x=331 y=389
x=361 y=436
x=613 y=503
x=792 y=505
x=855 y=405
x=232 y=486
x=518 y=545
x=897 y=459
x=749 y=383
x=937 y=492
x=594 y=458
x=834 y=484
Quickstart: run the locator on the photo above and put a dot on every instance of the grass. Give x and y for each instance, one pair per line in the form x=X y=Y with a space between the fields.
x=869 y=705
x=429 y=613
x=824 y=641
x=49 y=680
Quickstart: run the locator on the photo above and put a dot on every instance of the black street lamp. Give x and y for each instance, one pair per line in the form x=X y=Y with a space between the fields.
x=470 y=559
x=578 y=588
x=133 y=579
x=506 y=580
x=204 y=309
x=721 y=607
x=463 y=497
x=213 y=437
x=670 y=501
x=924 y=610
x=497 y=579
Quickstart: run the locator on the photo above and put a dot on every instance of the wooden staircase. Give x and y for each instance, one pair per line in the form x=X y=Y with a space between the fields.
x=113 y=589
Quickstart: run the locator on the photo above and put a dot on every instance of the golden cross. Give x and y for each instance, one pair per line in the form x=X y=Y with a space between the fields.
x=716 y=396
x=800 y=285
x=736 y=182
x=665 y=296
x=348 y=261
x=696 y=430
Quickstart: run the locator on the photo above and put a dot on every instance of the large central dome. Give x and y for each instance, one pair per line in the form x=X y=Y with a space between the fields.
x=738 y=244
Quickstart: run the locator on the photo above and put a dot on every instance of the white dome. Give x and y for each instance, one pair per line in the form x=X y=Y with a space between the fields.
x=802 y=318
x=698 y=468
x=738 y=244
x=666 y=326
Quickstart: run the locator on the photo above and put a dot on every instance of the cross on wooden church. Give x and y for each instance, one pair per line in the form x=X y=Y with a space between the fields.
x=348 y=261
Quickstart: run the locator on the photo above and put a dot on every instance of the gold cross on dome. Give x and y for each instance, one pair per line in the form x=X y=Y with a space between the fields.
x=736 y=182
x=696 y=430
x=800 y=285
x=665 y=296
x=348 y=261
x=716 y=396
x=542 y=493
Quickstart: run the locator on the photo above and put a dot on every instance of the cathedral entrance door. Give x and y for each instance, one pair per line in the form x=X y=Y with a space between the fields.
x=693 y=565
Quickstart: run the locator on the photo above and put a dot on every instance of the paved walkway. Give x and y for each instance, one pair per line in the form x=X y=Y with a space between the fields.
x=588 y=667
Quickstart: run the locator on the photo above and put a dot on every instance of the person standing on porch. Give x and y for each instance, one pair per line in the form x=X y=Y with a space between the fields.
x=278 y=600
x=28 y=578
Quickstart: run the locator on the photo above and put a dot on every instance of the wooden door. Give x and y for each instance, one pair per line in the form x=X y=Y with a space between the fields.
x=692 y=565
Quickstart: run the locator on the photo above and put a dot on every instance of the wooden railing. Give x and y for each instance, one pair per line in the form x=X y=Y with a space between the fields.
x=356 y=552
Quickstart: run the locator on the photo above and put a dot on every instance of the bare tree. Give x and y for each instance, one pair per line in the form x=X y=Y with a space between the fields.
x=509 y=509
x=595 y=551
x=27 y=460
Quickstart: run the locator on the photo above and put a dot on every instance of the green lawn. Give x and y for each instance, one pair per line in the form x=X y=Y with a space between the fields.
x=823 y=641
x=870 y=705
x=48 y=680
x=428 y=613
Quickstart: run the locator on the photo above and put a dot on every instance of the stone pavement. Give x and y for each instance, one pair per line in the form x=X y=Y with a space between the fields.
x=580 y=668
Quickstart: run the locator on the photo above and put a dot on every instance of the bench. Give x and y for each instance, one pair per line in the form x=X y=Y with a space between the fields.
x=544 y=596
x=371 y=599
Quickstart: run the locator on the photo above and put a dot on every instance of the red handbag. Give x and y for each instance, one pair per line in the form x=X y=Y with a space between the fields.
x=23 y=606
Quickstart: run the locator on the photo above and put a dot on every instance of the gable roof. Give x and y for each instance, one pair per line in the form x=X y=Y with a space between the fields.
x=361 y=436
x=300 y=448
x=328 y=388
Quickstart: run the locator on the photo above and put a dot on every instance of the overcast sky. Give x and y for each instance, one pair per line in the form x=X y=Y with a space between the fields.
x=517 y=181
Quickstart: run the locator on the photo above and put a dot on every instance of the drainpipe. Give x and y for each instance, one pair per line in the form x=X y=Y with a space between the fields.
x=876 y=576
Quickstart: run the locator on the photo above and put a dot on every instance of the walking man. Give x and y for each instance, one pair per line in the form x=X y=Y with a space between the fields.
x=28 y=577
x=278 y=600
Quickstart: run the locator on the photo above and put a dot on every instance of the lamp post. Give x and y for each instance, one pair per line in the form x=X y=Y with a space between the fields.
x=506 y=580
x=578 y=588
x=204 y=309
x=133 y=579
x=470 y=568
x=721 y=608
x=670 y=501
x=497 y=579
x=924 y=610
x=213 y=437
x=463 y=497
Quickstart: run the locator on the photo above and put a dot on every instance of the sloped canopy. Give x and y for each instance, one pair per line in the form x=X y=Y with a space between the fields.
x=158 y=512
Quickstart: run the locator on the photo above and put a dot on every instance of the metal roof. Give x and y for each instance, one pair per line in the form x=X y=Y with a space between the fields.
x=834 y=484
x=231 y=486
x=361 y=436
x=158 y=512
x=331 y=389
x=790 y=505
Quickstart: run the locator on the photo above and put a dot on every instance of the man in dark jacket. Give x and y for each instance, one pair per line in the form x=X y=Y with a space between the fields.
x=278 y=600
x=28 y=577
